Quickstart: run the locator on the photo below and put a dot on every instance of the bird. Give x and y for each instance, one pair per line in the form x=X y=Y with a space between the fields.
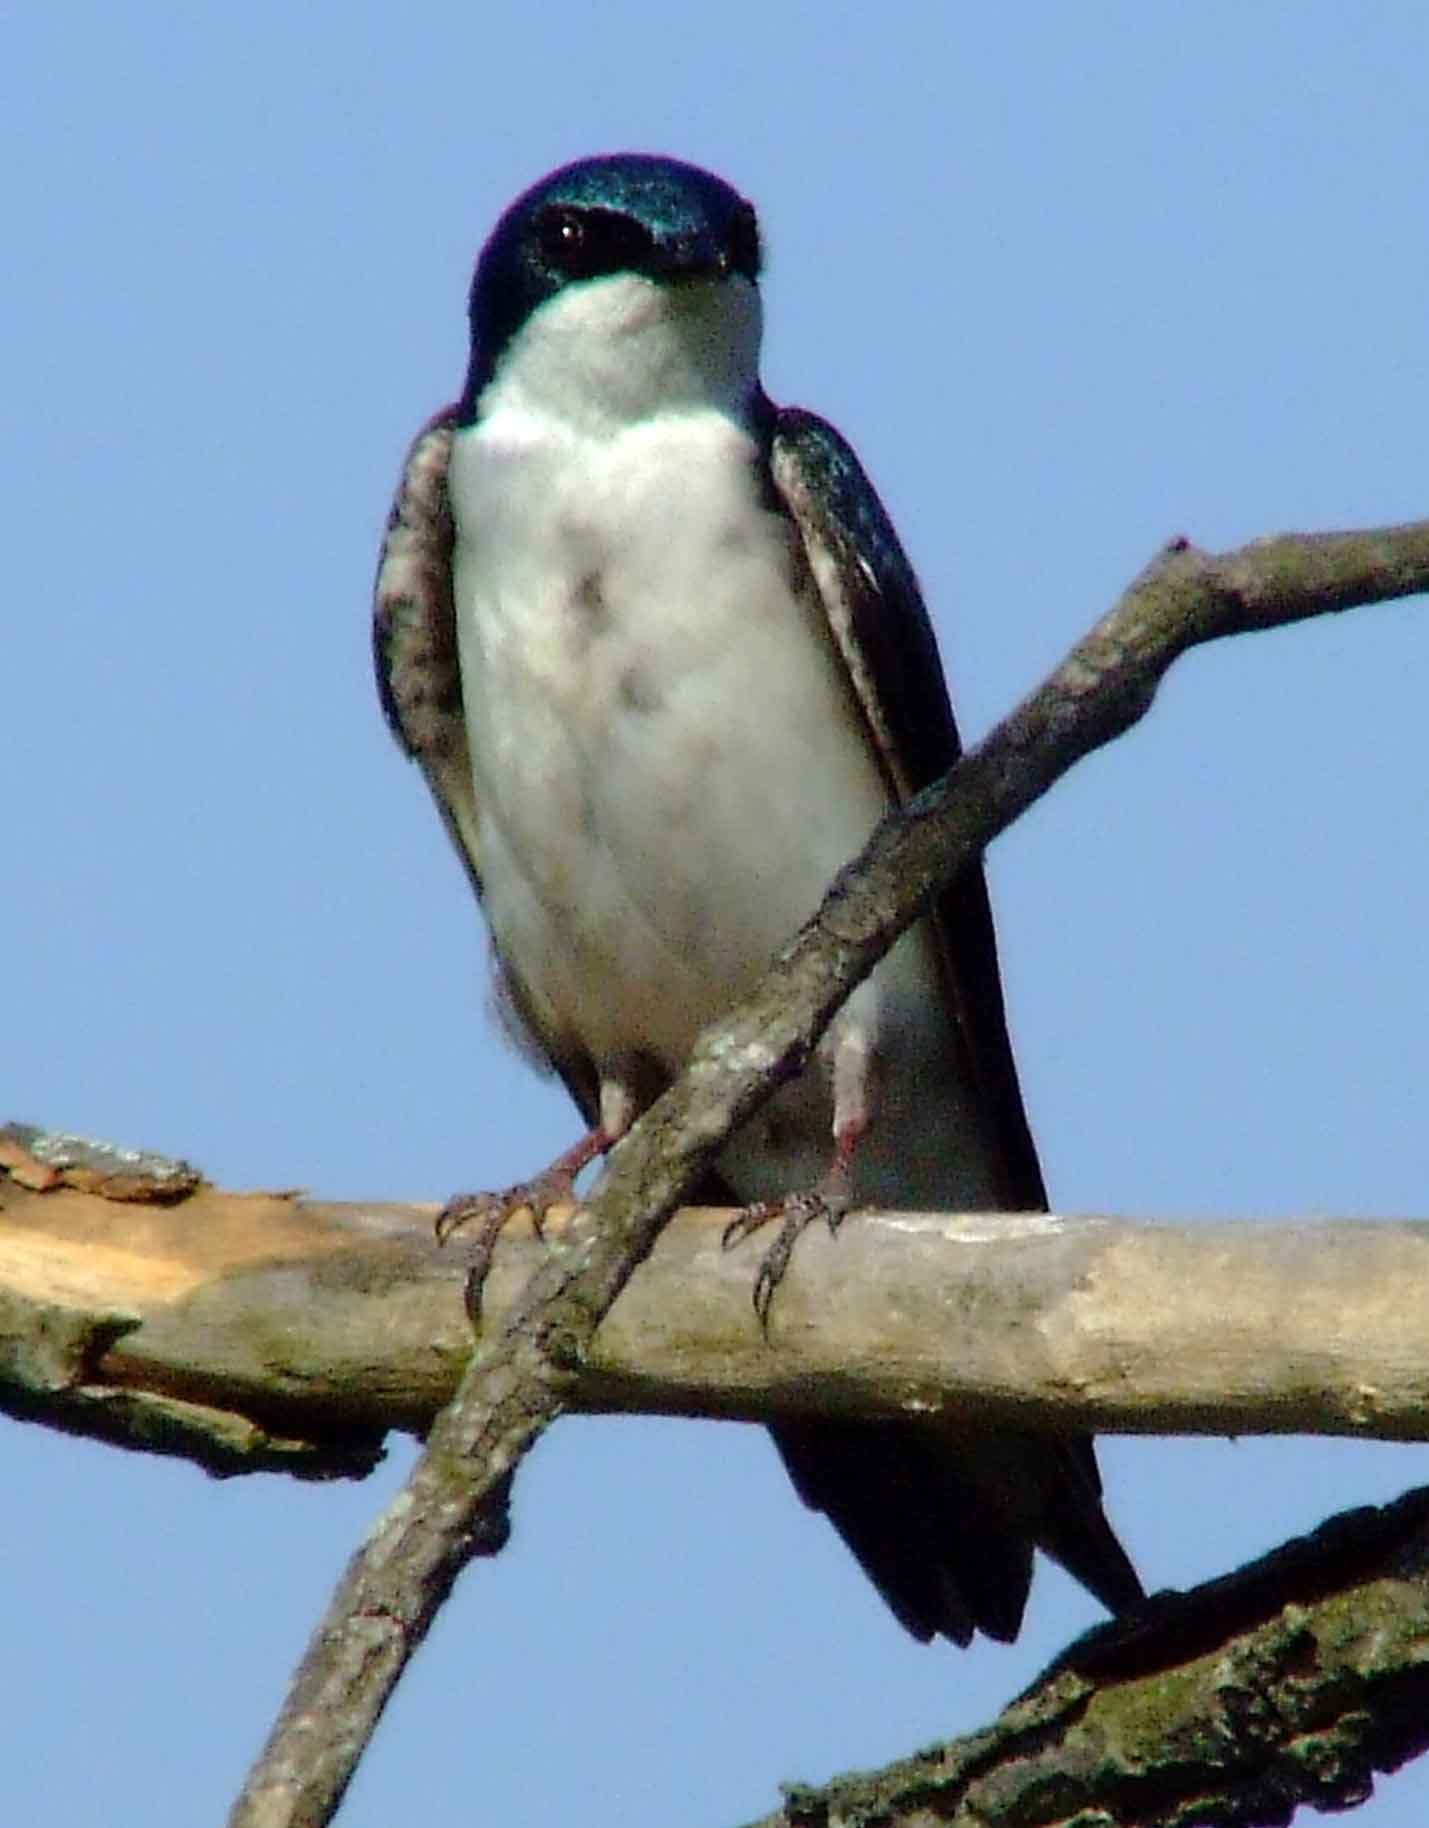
x=664 y=664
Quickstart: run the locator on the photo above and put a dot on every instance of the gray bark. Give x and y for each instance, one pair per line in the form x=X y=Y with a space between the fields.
x=252 y=1331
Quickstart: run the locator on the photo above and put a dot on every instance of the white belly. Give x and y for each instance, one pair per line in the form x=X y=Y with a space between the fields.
x=670 y=768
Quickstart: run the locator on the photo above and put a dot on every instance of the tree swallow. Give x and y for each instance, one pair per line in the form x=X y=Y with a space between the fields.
x=664 y=664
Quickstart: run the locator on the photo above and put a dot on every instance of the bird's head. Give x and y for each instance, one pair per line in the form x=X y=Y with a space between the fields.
x=625 y=275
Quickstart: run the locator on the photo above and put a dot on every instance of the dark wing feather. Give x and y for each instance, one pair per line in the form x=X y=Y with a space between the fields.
x=945 y=1553
x=414 y=641
x=881 y=627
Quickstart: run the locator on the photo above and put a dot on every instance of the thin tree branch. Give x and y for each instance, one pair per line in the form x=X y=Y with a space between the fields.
x=263 y=1331
x=1292 y=1681
x=517 y=1384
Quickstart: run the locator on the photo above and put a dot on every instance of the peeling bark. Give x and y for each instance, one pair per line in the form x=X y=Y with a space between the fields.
x=264 y=1331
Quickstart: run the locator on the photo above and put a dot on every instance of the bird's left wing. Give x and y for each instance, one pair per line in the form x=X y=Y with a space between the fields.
x=943 y=1559
x=414 y=639
x=879 y=625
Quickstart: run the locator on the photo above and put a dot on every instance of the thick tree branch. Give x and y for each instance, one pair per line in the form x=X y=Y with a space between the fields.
x=257 y=1331
x=516 y=1385
x=1292 y=1681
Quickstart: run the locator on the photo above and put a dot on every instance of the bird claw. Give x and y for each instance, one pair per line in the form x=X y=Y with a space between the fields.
x=491 y=1213
x=796 y=1212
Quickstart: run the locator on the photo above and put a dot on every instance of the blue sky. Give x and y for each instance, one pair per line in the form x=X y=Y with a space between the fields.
x=1073 y=280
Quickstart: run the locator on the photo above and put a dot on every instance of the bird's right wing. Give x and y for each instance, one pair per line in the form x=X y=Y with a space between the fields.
x=414 y=649
x=414 y=639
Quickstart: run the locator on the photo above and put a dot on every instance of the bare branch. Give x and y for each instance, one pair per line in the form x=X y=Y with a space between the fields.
x=263 y=1331
x=517 y=1384
x=1292 y=1681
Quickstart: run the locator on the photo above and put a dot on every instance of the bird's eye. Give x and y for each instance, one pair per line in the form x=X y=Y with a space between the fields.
x=582 y=243
x=562 y=233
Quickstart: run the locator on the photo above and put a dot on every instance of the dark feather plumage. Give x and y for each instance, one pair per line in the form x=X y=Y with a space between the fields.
x=943 y=1547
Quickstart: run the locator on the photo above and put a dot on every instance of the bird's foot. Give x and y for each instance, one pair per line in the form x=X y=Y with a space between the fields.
x=830 y=1201
x=491 y=1213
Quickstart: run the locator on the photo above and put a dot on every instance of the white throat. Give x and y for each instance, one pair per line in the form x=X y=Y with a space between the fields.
x=610 y=352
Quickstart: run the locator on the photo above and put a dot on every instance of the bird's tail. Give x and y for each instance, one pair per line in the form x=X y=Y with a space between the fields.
x=944 y=1522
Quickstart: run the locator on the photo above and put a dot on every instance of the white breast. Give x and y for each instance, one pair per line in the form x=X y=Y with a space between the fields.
x=668 y=766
